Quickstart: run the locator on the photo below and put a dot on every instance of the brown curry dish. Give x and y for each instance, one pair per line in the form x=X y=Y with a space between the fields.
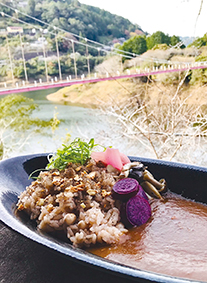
x=172 y=242
x=183 y=180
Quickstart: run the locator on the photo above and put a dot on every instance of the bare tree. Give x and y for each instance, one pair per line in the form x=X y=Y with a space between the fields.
x=166 y=127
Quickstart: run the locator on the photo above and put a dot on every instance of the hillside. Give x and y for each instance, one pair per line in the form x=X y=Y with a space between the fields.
x=88 y=21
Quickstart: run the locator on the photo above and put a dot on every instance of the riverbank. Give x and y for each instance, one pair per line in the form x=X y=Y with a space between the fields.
x=117 y=91
x=95 y=94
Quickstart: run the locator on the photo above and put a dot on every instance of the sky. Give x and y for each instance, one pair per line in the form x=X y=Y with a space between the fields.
x=173 y=17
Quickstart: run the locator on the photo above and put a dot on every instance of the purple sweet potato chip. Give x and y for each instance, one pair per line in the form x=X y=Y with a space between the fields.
x=125 y=188
x=138 y=210
x=142 y=193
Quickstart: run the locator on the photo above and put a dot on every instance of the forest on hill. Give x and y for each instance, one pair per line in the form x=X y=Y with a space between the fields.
x=88 y=21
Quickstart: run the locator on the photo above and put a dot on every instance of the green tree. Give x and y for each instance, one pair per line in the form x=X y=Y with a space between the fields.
x=50 y=12
x=35 y=68
x=175 y=40
x=31 y=8
x=136 y=44
x=157 y=38
x=19 y=70
x=75 y=25
x=199 y=42
x=64 y=43
x=114 y=30
x=3 y=71
x=53 y=68
x=15 y=117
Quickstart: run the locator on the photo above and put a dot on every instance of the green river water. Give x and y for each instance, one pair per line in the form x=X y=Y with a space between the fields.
x=77 y=121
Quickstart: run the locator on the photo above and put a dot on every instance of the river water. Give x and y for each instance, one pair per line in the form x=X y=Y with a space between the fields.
x=89 y=123
x=77 y=121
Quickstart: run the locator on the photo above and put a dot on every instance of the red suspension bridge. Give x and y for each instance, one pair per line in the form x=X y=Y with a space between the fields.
x=54 y=83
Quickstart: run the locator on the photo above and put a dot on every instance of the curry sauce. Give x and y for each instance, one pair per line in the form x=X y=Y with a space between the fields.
x=173 y=242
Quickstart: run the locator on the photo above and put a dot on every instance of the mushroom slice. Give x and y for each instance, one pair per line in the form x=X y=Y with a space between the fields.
x=126 y=168
x=151 y=190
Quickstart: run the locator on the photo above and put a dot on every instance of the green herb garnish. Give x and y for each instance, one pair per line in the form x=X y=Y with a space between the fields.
x=77 y=152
